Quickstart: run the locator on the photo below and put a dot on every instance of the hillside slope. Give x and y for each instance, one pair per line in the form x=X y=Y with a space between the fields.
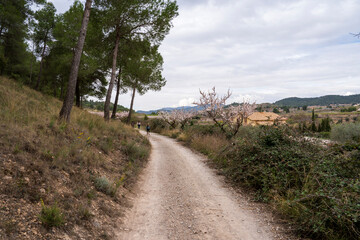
x=58 y=180
x=323 y=101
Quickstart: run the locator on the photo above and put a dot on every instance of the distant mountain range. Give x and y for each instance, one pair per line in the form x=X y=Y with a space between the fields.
x=290 y=102
x=169 y=109
x=322 y=101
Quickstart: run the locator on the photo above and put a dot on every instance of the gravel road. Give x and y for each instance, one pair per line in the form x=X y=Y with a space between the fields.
x=179 y=197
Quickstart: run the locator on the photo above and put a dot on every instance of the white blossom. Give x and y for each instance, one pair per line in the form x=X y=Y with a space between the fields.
x=177 y=116
x=230 y=118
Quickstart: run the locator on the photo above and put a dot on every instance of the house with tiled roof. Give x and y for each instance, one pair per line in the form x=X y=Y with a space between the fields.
x=264 y=118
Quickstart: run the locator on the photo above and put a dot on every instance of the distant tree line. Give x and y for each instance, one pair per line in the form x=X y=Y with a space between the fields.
x=90 y=50
x=349 y=109
x=99 y=105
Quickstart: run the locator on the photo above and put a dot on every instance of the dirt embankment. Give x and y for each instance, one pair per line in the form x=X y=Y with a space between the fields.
x=62 y=180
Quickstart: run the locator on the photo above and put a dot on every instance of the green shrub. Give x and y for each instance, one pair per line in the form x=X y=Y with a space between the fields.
x=325 y=135
x=203 y=130
x=175 y=134
x=275 y=110
x=346 y=132
x=84 y=213
x=106 y=144
x=349 y=109
x=51 y=216
x=158 y=125
x=135 y=151
x=324 y=126
x=248 y=132
x=317 y=187
x=102 y=184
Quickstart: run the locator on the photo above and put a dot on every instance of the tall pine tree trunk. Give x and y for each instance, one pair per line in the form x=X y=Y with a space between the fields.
x=113 y=73
x=77 y=93
x=41 y=65
x=131 y=105
x=69 y=99
x=113 y=116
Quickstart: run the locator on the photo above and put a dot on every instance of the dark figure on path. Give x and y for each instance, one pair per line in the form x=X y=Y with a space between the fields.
x=139 y=124
x=148 y=129
x=132 y=124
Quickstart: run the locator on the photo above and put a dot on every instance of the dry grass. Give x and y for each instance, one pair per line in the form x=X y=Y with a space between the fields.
x=42 y=157
x=208 y=144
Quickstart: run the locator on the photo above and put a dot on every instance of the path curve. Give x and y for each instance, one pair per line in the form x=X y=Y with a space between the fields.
x=179 y=197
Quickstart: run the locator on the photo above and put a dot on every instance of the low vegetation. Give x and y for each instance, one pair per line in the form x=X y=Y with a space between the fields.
x=316 y=187
x=51 y=216
x=64 y=164
x=99 y=106
x=346 y=132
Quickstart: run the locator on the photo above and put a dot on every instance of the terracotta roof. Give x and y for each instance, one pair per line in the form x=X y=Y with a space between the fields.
x=263 y=116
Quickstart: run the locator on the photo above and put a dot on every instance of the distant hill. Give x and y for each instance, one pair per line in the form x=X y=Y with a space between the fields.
x=323 y=101
x=169 y=109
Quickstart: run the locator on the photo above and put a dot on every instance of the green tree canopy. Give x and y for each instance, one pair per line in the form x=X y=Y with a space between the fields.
x=132 y=19
x=142 y=70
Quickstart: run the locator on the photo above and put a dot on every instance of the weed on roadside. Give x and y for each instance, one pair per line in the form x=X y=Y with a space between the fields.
x=102 y=184
x=51 y=216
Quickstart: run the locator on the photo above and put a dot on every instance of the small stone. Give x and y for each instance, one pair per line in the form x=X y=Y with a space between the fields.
x=96 y=224
x=7 y=178
x=42 y=191
x=26 y=179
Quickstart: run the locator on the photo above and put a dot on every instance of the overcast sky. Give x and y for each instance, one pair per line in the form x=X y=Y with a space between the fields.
x=260 y=49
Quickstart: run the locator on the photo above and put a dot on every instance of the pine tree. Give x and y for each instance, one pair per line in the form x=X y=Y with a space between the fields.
x=133 y=19
x=69 y=99
x=45 y=22
x=313 y=127
x=313 y=115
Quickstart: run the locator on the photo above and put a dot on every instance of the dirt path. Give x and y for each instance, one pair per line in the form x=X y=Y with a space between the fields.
x=179 y=197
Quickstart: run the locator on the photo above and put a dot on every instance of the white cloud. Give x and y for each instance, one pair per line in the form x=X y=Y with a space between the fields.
x=349 y=93
x=186 y=102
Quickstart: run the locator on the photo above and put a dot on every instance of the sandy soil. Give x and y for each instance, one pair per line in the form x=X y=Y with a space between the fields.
x=179 y=197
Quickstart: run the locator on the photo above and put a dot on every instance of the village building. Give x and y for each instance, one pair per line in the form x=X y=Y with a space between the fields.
x=264 y=118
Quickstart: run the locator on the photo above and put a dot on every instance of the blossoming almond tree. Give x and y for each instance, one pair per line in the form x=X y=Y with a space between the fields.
x=177 y=116
x=122 y=114
x=183 y=116
x=213 y=106
x=235 y=116
x=168 y=118
x=228 y=119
